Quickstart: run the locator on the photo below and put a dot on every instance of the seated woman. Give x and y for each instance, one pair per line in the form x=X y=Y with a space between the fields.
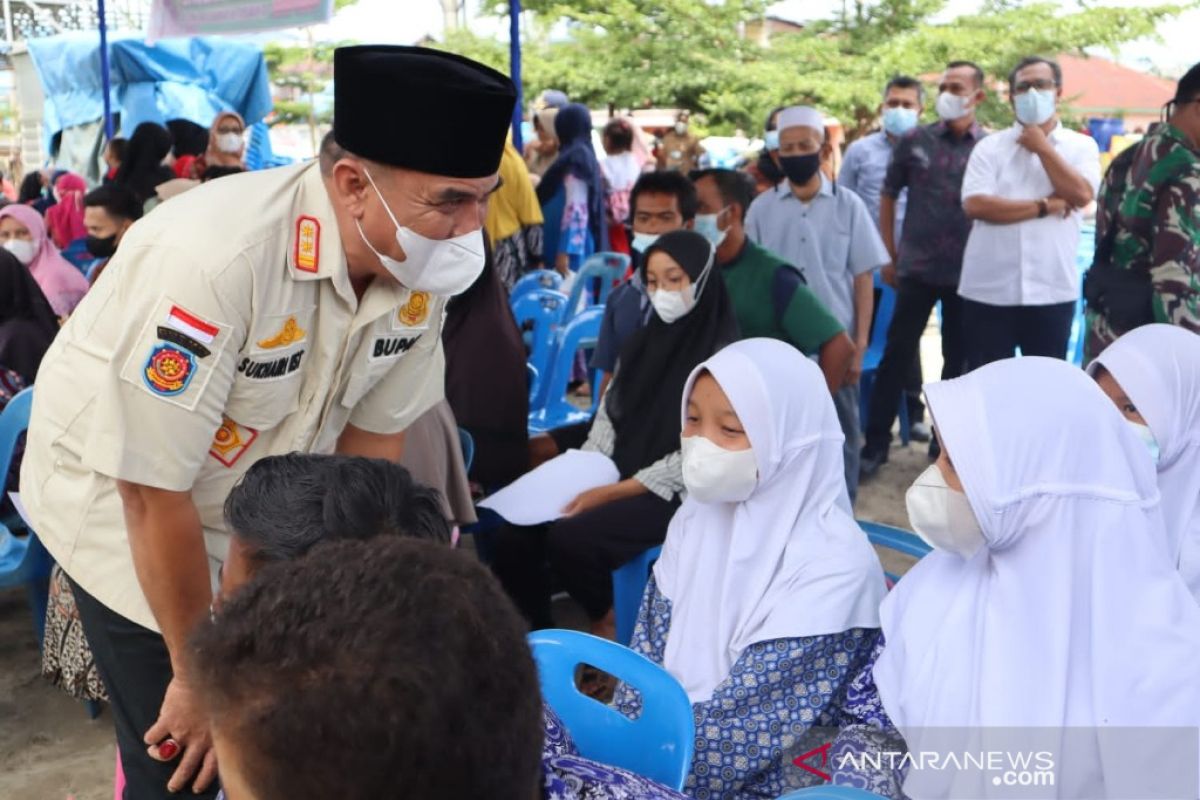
x=1047 y=606
x=767 y=593
x=23 y=233
x=27 y=323
x=635 y=426
x=64 y=220
x=1153 y=375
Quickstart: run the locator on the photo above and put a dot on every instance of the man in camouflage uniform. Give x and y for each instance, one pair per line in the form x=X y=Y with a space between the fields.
x=1148 y=218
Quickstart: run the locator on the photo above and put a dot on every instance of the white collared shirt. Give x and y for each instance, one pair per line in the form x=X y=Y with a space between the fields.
x=1029 y=263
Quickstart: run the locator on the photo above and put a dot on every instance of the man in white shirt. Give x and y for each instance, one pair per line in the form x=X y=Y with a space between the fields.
x=1024 y=188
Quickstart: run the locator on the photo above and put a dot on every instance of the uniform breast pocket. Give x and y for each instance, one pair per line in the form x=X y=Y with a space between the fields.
x=835 y=248
x=269 y=371
x=380 y=352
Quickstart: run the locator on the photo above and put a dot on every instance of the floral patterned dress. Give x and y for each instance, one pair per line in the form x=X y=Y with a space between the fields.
x=778 y=695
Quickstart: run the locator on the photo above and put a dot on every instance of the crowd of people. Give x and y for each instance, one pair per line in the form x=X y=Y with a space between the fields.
x=244 y=450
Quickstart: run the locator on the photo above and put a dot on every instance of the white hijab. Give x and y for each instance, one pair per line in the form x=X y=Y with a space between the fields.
x=1158 y=366
x=1069 y=616
x=789 y=561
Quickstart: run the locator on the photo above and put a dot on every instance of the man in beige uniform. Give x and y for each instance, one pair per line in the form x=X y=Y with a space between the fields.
x=292 y=309
x=680 y=150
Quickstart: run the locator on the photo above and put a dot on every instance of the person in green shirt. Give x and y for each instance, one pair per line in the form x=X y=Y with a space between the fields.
x=770 y=298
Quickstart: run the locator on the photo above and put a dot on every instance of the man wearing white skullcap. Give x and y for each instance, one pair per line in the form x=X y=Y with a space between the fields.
x=828 y=234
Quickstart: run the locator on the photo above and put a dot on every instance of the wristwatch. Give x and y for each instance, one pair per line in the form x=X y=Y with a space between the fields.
x=1043 y=208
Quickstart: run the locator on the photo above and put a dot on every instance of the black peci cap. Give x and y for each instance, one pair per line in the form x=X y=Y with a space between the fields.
x=421 y=109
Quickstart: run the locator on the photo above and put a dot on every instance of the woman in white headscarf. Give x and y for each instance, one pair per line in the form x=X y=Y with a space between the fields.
x=1047 y=622
x=766 y=596
x=1153 y=375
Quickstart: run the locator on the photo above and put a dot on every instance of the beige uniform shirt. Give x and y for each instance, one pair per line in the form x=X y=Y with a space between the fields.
x=224 y=330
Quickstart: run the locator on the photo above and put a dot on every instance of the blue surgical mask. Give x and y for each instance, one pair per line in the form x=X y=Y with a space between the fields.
x=1035 y=106
x=642 y=241
x=771 y=140
x=899 y=121
x=706 y=225
x=1147 y=436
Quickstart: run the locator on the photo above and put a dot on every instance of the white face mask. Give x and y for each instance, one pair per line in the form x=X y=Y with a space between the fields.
x=642 y=241
x=1147 y=436
x=952 y=106
x=681 y=128
x=670 y=306
x=1036 y=106
x=229 y=142
x=771 y=140
x=439 y=266
x=713 y=474
x=23 y=250
x=942 y=516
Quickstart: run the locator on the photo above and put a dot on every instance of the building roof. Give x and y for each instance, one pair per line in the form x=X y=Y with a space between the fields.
x=1099 y=85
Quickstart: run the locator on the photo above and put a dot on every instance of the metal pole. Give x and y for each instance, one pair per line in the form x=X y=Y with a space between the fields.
x=514 y=58
x=8 y=30
x=105 y=77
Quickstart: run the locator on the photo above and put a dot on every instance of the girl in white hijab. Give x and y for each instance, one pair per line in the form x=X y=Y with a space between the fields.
x=766 y=596
x=1153 y=375
x=1047 y=607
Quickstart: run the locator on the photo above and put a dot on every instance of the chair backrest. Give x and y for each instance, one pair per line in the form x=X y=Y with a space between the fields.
x=605 y=268
x=538 y=279
x=552 y=409
x=831 y=793
x=629 y=585
x=879 y=328
x=467 y=442
x=896 y=539
x=13 y=422
x=543 y=309
x=657 y=745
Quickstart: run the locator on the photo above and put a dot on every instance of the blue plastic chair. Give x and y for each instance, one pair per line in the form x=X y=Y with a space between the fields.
x=538 y=279
x=467 y=442
x=657 y=745
x=607 y=269
x=629 y=585
x=874 y=355
x=23 y=560
x=544 y=309
x=897 y=539
x=831 y=793
x=553 y=410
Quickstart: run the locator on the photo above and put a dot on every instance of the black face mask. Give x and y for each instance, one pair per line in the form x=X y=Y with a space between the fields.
x=102 y=248
x=800 y=169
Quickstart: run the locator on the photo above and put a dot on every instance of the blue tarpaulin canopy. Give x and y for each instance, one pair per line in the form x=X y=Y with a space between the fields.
x=190 y=79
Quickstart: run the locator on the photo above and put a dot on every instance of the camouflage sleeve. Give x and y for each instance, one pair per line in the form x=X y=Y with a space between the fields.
x=1175 y=259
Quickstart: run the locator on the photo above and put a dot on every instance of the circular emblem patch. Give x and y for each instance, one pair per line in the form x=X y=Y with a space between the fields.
x=169 y=370
x=415 y=311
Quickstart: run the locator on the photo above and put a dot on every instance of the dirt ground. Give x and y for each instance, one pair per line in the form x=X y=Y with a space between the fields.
x=50 y=750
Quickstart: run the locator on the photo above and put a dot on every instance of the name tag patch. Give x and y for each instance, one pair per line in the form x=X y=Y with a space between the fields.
x=389 y=346
x=231 y=441
x=261 y=369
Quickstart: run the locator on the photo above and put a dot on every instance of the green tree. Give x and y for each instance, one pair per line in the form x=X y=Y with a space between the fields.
x=697 y=54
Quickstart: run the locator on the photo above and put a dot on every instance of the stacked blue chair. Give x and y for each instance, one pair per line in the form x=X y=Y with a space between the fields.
x=538 y=279
x=552 y=409
x=605 y=269
x=895 y=539
x=543 y=309
x=657 y=745
x=874 y=355
x=23 y=560
x=629 y=585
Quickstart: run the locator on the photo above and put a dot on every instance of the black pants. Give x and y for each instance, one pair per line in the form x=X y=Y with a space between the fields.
x=583 y=551
x=913 y=381
x=995 y=332
x=914 y=302
x=135 y=666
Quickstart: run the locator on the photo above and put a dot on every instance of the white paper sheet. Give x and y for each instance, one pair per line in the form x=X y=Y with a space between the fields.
x=541 y=495
x=16 y=501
